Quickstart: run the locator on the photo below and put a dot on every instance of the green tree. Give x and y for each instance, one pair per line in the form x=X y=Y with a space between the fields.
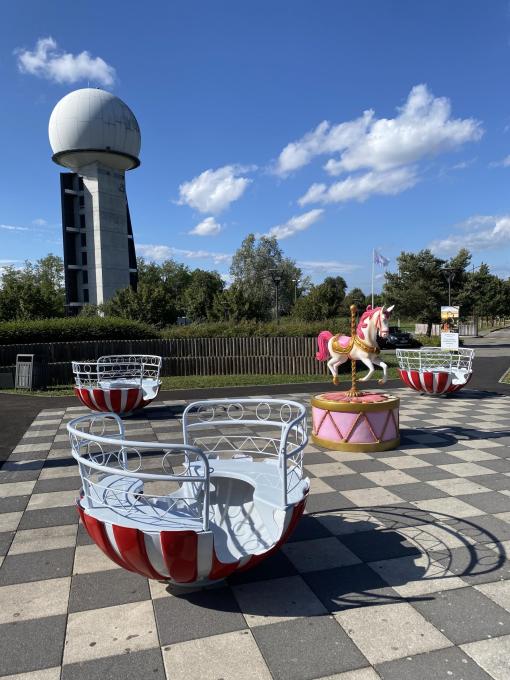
x=418 y=289
x=322 y=301
x=36 y=291
x=254 y=270
x=159 y=298
x=355 y=297
x=200 y=294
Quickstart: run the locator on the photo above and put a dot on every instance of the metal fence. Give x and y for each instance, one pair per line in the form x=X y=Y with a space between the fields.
x=183 y=356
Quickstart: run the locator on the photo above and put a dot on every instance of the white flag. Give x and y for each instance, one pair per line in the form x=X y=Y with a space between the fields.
x=380 y=259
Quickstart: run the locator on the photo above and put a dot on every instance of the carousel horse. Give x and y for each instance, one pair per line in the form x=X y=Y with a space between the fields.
x=362 y=346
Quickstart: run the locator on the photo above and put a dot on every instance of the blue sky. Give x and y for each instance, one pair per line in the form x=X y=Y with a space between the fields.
x=337 y=125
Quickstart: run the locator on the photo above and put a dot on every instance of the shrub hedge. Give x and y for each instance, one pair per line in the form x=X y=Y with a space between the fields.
x=229 y=329
x=73 y=329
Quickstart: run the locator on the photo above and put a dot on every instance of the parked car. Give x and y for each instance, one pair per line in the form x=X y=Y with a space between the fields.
x=397 y=338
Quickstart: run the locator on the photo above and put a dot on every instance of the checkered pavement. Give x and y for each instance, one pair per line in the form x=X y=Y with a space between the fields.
x=398 y=571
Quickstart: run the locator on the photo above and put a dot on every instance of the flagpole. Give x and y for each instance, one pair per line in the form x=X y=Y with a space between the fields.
x=373 y=258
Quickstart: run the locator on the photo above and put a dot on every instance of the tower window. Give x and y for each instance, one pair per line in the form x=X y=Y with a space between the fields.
x=84 y=259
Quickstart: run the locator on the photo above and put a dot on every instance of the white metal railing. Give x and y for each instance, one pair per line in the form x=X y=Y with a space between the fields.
x=435 y=359
x=115 y=473
x=272 y=428
x=132 y=368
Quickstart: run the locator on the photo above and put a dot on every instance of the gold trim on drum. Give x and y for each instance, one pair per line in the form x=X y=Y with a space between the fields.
x=389 y=404
x=358 y=447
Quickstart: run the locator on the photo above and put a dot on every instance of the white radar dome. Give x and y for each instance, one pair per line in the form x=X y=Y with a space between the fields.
x=92 y=125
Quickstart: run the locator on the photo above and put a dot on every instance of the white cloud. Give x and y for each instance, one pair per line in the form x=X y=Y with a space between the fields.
x=39 y=222
x=12 y=227
x=295 y=224
x=208 y=227
x=328 y=267
x=161 y=252
x=422 y=127
x=360 y=187
x=480 y=232
x=325 y=139
x=214 y=190
x=504 y=163
x=50 y=62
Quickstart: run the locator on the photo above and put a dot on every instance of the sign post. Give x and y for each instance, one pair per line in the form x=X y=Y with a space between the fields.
x=449 y=327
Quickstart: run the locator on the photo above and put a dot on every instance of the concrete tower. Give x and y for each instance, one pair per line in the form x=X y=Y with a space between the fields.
x=96 y=135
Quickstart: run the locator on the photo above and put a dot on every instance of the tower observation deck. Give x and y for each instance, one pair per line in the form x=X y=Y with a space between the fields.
x=95 y=135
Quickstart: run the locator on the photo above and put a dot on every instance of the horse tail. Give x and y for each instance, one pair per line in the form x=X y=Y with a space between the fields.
x=322 y=340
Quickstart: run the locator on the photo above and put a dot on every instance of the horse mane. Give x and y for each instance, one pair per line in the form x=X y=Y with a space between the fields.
x=367 y=314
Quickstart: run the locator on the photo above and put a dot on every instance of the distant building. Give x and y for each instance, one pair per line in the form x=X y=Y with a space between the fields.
x=96 y=135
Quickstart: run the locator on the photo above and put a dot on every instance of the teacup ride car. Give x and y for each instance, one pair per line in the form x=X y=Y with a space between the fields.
x=432 y=370
x=120 y=383
x=194 y=513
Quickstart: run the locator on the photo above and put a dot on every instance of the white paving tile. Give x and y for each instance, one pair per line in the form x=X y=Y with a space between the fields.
x=34 y=600
x=492 y=655
x=230 y=656
x=111 y=632
x=390 y=632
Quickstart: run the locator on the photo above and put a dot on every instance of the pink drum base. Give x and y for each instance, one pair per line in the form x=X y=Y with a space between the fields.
x=358 y=428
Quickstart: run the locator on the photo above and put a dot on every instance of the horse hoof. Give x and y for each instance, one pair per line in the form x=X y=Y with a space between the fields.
x=335 y=381
x=381 y=382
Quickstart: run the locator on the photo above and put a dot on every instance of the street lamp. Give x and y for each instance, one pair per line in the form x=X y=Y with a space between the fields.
x=277 y=279
x=295 y=281
x=449 y=273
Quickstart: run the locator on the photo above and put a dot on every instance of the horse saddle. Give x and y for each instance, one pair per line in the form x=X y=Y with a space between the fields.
x=342 y=344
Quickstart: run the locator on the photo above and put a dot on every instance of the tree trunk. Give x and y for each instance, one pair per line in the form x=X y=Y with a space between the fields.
x=429 y=329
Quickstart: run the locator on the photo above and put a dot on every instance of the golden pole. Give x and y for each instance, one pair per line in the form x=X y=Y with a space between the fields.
x=353 y=392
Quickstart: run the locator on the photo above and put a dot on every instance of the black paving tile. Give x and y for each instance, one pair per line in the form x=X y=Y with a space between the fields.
x=324 y=502
x=303 y=649
x=275 y=566
x=36 y=566
x=478 y=564
x=198 y=614
x=106 y=589
x=431 y=473
x=448 y=664
x=59 y=484
x=82 y=537
x=349 y=482
x=420 y=491
x=498 y=465
x=490 y=528
x=494 y=482
x=368 y=465
x=490 y=502
x=465 y=615
x=19 y=475
x=308 y=528
x=49 y=517
x=133 y=666
x=33 y=455
x=13 y=503
x=5 y=541
x=316 y=458
x=349 y=587
x=384 y=544
x=440 y=459
x=30 y=645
